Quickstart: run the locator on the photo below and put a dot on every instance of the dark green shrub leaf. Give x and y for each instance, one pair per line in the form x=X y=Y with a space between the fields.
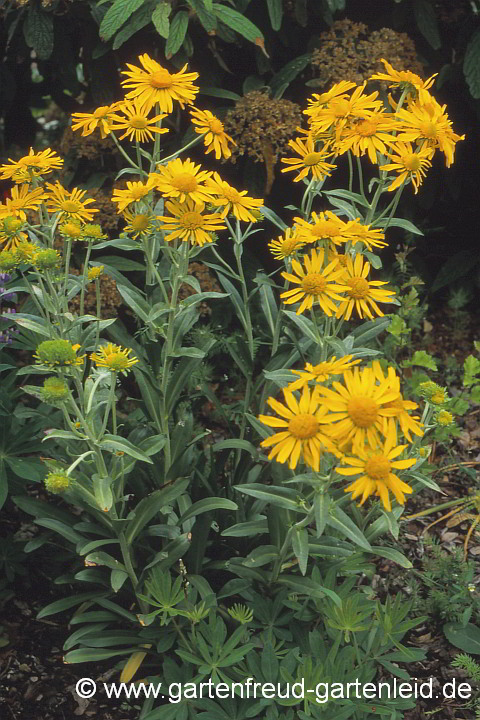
x=456 y=266
x=471 y=64
x=160 y=19
x=139 y=19
x=466 y=638
x=38 y=32
x=426 y=19
x=275 y=10
x=205 y=15
x=239 y=23
x=115 y=16
x=176 y=36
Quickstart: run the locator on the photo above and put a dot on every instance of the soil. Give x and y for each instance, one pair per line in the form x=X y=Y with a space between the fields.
x=35 y=684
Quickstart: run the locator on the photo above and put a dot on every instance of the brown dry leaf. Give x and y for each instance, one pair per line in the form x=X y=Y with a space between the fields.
x=459 y=518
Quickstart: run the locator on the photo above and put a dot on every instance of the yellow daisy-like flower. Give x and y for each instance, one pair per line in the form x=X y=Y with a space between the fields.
x=316 y=283
x=155 y=84
x=362 y=294
x=321 y=372
x=88 y=122
x=183 y=180
x=233 y=201
x=71 y=230
x=11 y=234
x=376 y=477
x=31 y=166
x=95 y=272
x=139 y=224
x=343 y=110
x=370 y=237
x=410 y=164
x=369 y=135
x=135 y=192
x=135 y=122
x=428 y=122
x=22 y=198
x=408 y=423
x=325 y=226
x=404 y=79
x=70 y=205
x=114 y=358
x=359 y=408
x=444 y=418
x=310 y=161
x=300 y=435
x=286 y=245
x=189 y=224
x=215 y=138
x=338 y=90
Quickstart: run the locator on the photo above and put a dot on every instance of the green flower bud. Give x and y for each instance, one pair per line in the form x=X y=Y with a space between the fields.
x=54 y=390
x=57 y=482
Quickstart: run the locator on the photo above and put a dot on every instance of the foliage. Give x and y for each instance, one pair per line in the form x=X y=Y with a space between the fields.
x=204 y=556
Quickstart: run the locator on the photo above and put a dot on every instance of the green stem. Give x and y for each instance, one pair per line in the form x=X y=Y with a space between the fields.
x=98 y=310
x=193 y=142
x=125 y=155
x=110 y=405
x=68 y=253
x=360 y=178
x=85 y=277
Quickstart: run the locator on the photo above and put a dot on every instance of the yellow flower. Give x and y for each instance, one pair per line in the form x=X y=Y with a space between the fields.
x=69 y=205
x=11 y=234
x=22 y=199
x=317 y=284
x=31 y=166
x=139 y=224
x=95 y=272
x=154 y=84
x=362 y=294
x=370 y=237
x=58 y=353
x=136 y=124
x=135 y=192
x=114 y=358
x=408 y=423
x=311 y=160
x=428 y=122
x=71 y=230
x=444 y=418
x=376 y=476
x=341 y=110
x=285 y=245
x=369 y=135
x=324 y=226
x=410 y=164
x=233 y=201
x=92 y=232
x=321 y=372
x=359 y=408
x=189 y=224
x=183 y=180
x=300 y=422
x=215 y=137
x=88 y=122
x=26 y=252
x=404 y=79
x=319 y=101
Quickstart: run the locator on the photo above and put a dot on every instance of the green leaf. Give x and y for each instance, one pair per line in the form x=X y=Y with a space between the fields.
x=235 y=444
x=276 y=495
x=238 y=22
x=33 y=323
x=116 y=15
x=102 y=489
x=38 y=31
x=275 y=10
x=455 y=267
x=471 y=64
x=64 y=530
x=134 y=301
x=394 y=555
x=422 y=359
x=67 y=603
x=466 y=638
x=426 y=19
x=95 y=629
x=369 y=330
x=3 y=484
x=102 y=558
x=139 y=19
x=219 y=92
x=273 y=217
x=94 y=544
x=95 y=654
x=398 y=222
x=160 y=18
x=300 y=548
x=321 y=505
x=347 y=195
x=288 y=73
x=115 y=443
x=306 y=586
x=340 y=521
x=206 y=17
x=176 y=36
x=149 y=506
x=305 y=324
x=246 y=529
x=27 y=468
x=206 y=505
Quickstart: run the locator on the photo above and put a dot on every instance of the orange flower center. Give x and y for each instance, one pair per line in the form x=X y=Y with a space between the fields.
x=359 y=287
x=138 y=122
x=289 y=246
x=366 y=127
x=363 y=411
x=161 y=79
x=314 y=284
x=312 y=158
x=185 y=183
x=192 y=220
x=70 y=206
x=101 y=112
x=378 y=467
x=412 y=162
x=72 y=230
x=216 y=126
x=140 y=222
x=232 y=195
x=303 y=426
x=429 y=130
